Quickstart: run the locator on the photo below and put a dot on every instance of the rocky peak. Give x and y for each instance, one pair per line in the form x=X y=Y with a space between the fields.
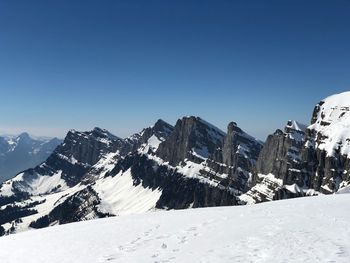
x=295 y=131
x=281 y=151
x=295 y=126
x=103 y=133
x=162 y=126
x=238 y=142
x=88 y=147
x=23 y=138
x=150 y=137
x=232 y=126
x=192 y=138
x=160 y=129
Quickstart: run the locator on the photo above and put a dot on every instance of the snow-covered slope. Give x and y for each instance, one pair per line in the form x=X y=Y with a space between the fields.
x=313 y=229
x=71 y=185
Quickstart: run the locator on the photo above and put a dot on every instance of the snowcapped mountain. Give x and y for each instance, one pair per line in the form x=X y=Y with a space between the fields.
x=313 y=229
x=306 y=160
x=327 y=146
x=96 y=174
x=22 y=152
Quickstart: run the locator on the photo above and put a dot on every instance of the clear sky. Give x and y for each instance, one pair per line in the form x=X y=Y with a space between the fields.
x=121 y=65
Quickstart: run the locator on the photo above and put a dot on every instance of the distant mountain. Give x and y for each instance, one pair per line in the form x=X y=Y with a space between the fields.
x=18 y=153
x=96 y=174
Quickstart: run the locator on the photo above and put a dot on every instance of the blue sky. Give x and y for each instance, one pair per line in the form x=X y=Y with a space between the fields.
x=121 y=65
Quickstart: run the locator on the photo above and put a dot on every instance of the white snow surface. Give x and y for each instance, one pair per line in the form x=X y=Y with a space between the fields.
x=37 y=186
x=312 y=229
x=333 y=121
x=45 y=184
x=120 y=197
x=151 y=144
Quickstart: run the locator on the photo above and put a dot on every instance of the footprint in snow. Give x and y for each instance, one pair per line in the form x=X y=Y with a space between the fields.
x=107 y=259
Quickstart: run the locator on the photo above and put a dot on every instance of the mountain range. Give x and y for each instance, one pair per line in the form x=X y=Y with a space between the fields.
x=21 y=152
x=96 y=174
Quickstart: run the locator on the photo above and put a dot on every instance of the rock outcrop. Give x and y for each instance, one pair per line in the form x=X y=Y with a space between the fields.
x=306 y=161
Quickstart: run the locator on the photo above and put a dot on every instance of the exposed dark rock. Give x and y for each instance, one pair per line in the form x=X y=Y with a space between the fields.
x=178 y=192
x=78 y=207
x=191 y=135
x=280 y=157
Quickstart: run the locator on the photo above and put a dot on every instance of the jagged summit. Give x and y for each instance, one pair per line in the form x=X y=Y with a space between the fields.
x=95 y=132
x=161 y=129
x=95 y=174
x=295 y=130
x=192 y=136
x=103 y=133
x=161 y=123
x=24 y=136
x=295 y=125
x=232 y=125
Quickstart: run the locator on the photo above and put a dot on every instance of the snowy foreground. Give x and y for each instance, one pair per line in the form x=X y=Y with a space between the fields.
x=310 y=229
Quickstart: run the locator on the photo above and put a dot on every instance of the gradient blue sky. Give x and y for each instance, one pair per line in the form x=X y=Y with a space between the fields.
x=121 y=65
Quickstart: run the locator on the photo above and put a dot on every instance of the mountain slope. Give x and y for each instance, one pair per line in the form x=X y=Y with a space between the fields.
x=23 y=152
x=95 y=174
x=314 y=229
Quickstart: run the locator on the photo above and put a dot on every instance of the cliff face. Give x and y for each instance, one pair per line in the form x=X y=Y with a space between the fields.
x=192 y=139
x=305 y=161
x=278 y=172
x=281 y=153
x=327 y=145
x=239 y=155
x=224 y=158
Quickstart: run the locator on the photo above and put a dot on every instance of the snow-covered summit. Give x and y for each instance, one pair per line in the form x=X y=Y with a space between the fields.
x=331 y=124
